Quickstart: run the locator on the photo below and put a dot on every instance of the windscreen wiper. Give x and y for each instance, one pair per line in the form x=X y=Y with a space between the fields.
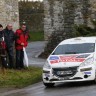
x=70 y=53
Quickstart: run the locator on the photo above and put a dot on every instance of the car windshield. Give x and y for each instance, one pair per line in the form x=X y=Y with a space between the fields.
x=74 y=48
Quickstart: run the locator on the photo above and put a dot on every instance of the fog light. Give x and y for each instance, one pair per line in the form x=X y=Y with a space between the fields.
x=85 y=76
x=47 y=78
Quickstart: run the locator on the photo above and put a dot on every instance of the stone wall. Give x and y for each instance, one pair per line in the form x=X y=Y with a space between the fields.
x=53 y=20
x=61 y=15
x=9 y=13
x=93 y=7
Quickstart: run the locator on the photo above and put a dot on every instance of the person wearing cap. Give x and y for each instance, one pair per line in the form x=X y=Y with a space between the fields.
x=9 y=40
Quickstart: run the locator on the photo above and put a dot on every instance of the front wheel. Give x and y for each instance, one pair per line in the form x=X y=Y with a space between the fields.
x=95 y=80
x=49 y=85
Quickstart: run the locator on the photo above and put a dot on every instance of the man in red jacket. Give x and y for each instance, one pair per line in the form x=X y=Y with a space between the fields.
x=21 y=41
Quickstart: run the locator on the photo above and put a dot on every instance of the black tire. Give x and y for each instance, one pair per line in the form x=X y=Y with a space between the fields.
x=49 y=85
x=95 y=80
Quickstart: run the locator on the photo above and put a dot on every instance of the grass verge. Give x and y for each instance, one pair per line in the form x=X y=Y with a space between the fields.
x=36 y=36
x=20 y=78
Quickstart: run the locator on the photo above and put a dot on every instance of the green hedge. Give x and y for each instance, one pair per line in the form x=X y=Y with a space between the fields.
x=36 y=36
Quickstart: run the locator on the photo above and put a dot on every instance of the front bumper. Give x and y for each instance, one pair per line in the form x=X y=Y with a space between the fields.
x=80 y=74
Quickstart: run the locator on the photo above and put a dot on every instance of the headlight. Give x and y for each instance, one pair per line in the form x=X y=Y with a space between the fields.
x=89 y=61
x=47 y=65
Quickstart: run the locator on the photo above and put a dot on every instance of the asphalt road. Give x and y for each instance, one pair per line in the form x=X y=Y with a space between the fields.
x=33 y=50
x=65 y=89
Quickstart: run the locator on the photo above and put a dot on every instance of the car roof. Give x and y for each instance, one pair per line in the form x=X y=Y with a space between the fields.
x=79 y=40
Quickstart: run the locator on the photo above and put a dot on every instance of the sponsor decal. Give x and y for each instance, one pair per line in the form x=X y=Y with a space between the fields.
x=54 y=58
x=87 y=73
x=54 y=61
x=72 y=58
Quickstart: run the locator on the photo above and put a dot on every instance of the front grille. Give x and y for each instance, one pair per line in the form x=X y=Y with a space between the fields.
x=65 y=72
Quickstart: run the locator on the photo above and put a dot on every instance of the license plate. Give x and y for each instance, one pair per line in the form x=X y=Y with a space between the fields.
x=64 y=72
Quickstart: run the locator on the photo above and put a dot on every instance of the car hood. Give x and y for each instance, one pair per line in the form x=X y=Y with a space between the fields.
x=68 y=60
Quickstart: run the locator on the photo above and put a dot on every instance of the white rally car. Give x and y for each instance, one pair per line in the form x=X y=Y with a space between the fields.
x=72 y=60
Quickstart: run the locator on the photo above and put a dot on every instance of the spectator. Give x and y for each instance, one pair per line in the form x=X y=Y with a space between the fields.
x=9 y=40
x=1 y=31
x=2 y=49
x=21 y=41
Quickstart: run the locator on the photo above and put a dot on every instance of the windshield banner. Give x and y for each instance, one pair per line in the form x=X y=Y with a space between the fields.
x=72 y=58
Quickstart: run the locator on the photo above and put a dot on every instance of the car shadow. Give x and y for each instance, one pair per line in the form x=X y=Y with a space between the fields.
x=72 y=85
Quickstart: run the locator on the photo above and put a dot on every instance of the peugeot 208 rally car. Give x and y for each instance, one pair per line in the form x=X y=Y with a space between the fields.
x=72 y=60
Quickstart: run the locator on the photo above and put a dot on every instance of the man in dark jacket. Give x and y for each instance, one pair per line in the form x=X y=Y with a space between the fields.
x=9 y=40
x=2 y=49
x=1 y=30
x=21 y=41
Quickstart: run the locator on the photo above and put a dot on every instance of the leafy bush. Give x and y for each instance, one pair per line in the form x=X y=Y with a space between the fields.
x=83 y=30
x=36 y=36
